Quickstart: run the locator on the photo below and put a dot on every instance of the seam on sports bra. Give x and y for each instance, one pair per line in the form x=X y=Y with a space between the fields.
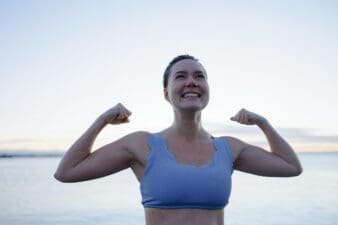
x=150 y=157
x=205 y=165
x=228 y=147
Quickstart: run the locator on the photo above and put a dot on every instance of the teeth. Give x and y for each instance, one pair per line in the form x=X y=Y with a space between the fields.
x=190 y=95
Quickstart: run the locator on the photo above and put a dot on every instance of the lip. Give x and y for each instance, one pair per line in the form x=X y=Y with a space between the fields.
x=191 y=92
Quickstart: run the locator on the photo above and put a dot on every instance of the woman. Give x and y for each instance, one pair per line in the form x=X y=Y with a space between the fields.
x=185 y=173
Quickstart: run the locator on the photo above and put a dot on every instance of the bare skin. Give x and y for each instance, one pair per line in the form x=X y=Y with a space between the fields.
x=189 y=142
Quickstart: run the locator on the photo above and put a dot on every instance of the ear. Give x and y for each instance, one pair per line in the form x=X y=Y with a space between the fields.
x=166 y=95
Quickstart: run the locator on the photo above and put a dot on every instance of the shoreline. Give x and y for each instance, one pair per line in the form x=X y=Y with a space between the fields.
x=54 y=154
x=30 y=154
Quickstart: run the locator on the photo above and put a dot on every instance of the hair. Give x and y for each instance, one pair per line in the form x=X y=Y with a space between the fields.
x=172 y=62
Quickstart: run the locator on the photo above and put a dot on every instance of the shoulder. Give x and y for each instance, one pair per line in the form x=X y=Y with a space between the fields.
x=236 y=145
x=134 y=139
x=138 y=135
x=136 y=144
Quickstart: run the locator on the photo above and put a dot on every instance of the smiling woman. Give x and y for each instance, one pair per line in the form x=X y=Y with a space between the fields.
x=187 y=85
x=184 y=172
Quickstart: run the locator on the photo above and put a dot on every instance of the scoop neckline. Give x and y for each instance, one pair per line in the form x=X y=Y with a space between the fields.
x=172 y=156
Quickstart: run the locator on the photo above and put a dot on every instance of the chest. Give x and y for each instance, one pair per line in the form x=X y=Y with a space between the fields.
x=169 y=183
x=191 y=153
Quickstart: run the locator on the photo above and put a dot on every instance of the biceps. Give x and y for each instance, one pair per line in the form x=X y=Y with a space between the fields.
x=258 y=161
x=106 y=160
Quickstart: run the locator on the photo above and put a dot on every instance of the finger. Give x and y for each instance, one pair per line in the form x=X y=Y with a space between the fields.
x=126 y=114
x=244 y=118
x=123 y=120
x=126 y=120
x=241 y=118
x=125 y=110
x=120 y=114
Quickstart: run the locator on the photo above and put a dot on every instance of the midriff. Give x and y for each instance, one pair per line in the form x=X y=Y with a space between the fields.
x=155 y=216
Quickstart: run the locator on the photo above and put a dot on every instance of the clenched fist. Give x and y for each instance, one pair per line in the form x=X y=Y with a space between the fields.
x=248 y=118
x=116 y=115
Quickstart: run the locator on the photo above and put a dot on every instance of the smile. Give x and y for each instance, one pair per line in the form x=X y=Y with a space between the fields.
x=190 y=94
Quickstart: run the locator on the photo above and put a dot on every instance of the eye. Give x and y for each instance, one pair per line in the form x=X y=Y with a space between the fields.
x=200 y=76
x=179 y=76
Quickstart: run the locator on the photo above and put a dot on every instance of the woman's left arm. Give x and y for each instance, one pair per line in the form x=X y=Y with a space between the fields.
x=282 y=161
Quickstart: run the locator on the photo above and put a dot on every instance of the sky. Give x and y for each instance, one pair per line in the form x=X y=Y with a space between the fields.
x=63 y=63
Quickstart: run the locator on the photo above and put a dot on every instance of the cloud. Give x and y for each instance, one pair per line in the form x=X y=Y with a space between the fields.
x=29 y=144
x=290 y=133
x=300 y=138
x=20 y=141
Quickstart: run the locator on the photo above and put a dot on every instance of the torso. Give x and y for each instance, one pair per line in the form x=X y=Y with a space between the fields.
x=183 y=216
x=186 y=155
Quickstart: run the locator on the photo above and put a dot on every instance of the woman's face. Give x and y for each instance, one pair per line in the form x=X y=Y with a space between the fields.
x=187 y=88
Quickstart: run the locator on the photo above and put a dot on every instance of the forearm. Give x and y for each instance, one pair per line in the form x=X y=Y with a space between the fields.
x=278 y=145
x=81 y=148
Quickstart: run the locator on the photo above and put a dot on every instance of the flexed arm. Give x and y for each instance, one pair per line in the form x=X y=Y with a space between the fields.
x=281 y=161
x=80 y=164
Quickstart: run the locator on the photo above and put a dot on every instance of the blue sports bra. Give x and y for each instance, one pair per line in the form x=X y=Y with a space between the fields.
x=169 y=184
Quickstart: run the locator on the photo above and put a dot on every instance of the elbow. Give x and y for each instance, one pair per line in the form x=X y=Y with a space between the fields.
x=66 y=177
x=58 y=177
x=298 y=171
x=61 y=178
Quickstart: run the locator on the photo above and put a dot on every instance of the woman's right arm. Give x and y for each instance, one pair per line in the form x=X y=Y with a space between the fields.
x=79 y=164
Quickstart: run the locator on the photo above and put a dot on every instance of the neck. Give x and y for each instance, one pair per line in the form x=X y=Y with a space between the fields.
x=188 y=125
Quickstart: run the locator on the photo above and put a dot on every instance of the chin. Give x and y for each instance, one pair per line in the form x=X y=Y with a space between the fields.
x=192 y=108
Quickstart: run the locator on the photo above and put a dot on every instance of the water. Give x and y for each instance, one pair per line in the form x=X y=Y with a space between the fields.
x=30 y=195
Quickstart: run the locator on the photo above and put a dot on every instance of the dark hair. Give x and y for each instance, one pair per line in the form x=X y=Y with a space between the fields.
x=172 y=62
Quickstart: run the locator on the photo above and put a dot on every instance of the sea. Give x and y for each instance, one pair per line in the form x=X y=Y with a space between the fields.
x=29 y=195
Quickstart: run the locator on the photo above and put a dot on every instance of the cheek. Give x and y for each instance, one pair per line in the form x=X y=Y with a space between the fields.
x=206 y=89
x=169 y=94
x=172 y=89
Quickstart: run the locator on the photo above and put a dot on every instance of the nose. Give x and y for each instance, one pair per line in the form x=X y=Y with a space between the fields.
x=191 y=82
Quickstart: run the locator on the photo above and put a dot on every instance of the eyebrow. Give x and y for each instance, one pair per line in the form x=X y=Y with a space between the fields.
x=183 y=71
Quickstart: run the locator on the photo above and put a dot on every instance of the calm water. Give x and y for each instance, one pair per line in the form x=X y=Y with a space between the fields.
x=30 y=195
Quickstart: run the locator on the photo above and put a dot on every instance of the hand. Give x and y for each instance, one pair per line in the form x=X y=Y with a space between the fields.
x=116 y=115
x=248 y=118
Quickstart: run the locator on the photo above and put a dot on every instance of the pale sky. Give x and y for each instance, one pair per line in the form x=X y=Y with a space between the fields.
x=63 y=63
